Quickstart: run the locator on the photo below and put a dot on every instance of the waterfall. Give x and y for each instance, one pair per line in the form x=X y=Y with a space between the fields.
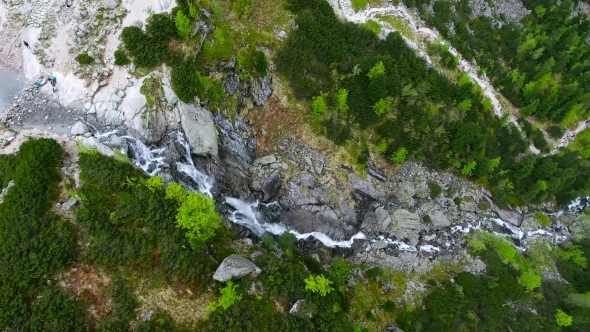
x=149 y=160
x=204 y=182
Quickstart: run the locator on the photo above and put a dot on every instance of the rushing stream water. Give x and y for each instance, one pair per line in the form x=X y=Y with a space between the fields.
x=151 y=160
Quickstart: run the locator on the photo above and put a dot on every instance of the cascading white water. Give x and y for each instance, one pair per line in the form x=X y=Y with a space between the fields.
x=204 y=182
x=149 y=160
x=245 y=215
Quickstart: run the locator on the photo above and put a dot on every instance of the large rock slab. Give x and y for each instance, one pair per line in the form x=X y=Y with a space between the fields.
x=271 y=185
x=199 y=128
x=235 y=267
x=79 y=128
x=407 y=225
x=436 y=214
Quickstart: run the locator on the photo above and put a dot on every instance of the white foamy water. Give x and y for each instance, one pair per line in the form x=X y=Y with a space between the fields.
x=204 y=182
x=149 y=160
x=245 y=215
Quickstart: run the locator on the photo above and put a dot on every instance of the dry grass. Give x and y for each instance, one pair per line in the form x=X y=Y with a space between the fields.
x=89 y=284
x=183 y=305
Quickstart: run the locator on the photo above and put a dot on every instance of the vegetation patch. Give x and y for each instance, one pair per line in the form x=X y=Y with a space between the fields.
x=84 y=59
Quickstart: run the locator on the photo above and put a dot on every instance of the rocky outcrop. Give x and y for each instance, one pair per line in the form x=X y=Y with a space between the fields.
x=235 y=267
x=236 y=139
x=260 y=90
x=79 y=128
x=110 y=4
x=199 y=128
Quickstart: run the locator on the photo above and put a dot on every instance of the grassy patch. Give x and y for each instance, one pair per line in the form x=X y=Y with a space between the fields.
x=373 y=26
x=542 y=218
x=152 y=89
x=400 y=25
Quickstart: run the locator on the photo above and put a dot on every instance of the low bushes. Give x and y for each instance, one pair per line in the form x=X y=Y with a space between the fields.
x=185 y=81
x=35 y=244
x=121 y=58
x=84 y=59
x=150 y=48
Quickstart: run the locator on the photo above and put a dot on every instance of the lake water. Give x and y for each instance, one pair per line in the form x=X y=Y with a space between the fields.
x=11 y=83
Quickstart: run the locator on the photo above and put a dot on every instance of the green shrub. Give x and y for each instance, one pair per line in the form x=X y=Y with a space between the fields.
x=261 y=64
x=484 y=206
x=242 y=8
x=389 y=306
x=542 y=218
x=399 y=156
x=318 y=107
x=151 y=48
x=84 y=59
x=563 y=319
x=56 y=310
x=435 y=189
x=221 y=45
x=121 y=58
x=229 y=296
x=196 y=215
x=124 y=302
x=457 y=201
x=374 y=272
x=161 y=29
x=373 y=26
x=427 y=219
x=185 y=81
x=318 y=284
x=183 y=24
x=555 y=131
x=35 y=244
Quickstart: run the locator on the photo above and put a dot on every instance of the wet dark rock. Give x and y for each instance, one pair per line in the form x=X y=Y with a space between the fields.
x=363 y=203
x=271 y=186
x=304 y=221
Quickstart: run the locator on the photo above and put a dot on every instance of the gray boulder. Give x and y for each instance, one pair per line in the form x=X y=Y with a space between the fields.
x=378 y=221
x=296 y=309
x=137 y=23
x=110 y=4
x=436 y=214
x=79 y=128
x=407 y=225
x=260 y=90
x=271 y=185
x=235 y=267
x=199 y=128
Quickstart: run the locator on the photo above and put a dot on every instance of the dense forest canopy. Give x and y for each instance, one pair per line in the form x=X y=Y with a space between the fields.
x=414 y=111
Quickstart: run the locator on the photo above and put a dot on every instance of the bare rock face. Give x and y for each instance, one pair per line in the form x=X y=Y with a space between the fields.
x=199 y=128
x=260 y=90
x=235 y=267
x=79 y=128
